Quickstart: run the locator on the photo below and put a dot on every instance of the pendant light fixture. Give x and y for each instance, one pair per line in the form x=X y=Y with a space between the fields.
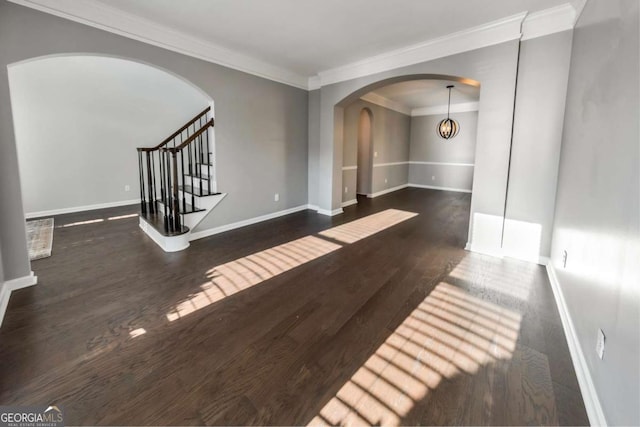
x=448 y=128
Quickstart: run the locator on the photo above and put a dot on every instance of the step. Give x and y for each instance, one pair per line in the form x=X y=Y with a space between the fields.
x=196 y=191
x=156 y=220
x=184 y=208
x=200 y=175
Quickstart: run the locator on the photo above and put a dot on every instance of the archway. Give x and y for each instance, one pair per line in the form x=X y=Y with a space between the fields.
x=91 y=111
x=398 y=103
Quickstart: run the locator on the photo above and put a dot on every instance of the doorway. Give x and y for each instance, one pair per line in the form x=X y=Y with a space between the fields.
x=365 y=153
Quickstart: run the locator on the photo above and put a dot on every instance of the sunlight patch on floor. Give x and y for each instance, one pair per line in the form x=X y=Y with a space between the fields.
x=450 y=333
x=238 y=275
x=359 y=229
x=73 y=224
x=113 y=218
x=137 y=332
x=97 y=220
x=510 y=282
x=235 y=276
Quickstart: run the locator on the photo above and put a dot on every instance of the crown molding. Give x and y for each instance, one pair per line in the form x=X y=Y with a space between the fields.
x=313 y=83
x=442 y=109
x=103 y=17
x=473 y=38
x=549 y=21
x=374 y=98
x=521 y=26
x=524 y=26
x=578 y=5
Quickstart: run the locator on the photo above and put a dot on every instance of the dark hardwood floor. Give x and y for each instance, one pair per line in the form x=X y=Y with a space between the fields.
x=345 y=327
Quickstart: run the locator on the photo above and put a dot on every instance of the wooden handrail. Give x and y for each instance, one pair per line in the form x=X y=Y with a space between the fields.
x=190 y=139
x=176 y=133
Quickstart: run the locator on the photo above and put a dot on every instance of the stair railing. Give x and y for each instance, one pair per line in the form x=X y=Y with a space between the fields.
x=175 y=163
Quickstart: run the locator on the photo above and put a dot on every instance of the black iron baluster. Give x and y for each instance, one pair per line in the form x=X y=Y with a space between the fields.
x=192 y=169
x=184 y=199
x=169 y=223
x=154 y=189
x=176 y=203
x=161 y=176
x=143 y=201
x=200 y=142
x=149 y=182
x=208 y=159
x=163 y=180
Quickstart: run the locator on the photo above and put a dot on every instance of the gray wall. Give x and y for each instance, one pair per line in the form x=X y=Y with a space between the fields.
x=313 y=136
x=539 y=117
x=597 y=216
x=390 y=138
x=261 y=125
x=495 y=68
x=79 y=119
x=1 y=271
x=428 y=148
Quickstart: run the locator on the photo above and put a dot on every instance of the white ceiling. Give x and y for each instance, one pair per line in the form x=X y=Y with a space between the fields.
x=427 y=94
x=307 y=37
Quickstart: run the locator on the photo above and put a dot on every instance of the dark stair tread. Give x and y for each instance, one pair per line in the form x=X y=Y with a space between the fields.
x=156 y=220
x=200 y=175
x=184 y=208
x=196 y=191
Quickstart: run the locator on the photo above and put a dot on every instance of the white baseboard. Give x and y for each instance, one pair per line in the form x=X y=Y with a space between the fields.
x=587 y=388
x=387 y=191
x=312 y=207
x=81 y=208
x=541 y=260
x=544 y=261
x=433 y=187
x=13 y=285
x=330 y=213
x=227 y=227
x=496 y=253
x=349 y=203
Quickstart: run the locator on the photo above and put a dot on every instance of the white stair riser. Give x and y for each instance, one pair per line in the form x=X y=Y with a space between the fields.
x=167 y=243
x=206 y=171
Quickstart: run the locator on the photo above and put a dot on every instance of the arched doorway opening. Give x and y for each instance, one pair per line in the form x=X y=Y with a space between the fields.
x=78 y=119
x=401 y=147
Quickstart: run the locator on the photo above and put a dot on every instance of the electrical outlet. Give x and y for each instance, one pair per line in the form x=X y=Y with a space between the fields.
x=564 y=259
x=385 y=180
x=433 y=178
x=375 y=154
x=346 y=189
x=600 y=339
x=127 y=187
x=276 y=197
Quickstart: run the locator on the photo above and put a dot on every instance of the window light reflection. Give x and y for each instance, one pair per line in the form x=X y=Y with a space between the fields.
x=450 y=333
x=235 y=276
x=359 y=229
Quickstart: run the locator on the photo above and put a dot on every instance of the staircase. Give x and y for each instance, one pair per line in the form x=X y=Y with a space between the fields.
x=177 y=183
